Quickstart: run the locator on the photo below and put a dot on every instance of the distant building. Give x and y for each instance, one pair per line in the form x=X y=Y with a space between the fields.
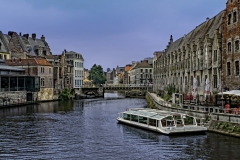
x=110 y=75
x=126 y=79
x=141 y=73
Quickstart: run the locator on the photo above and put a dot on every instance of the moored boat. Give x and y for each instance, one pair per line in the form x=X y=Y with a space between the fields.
x=160 y=121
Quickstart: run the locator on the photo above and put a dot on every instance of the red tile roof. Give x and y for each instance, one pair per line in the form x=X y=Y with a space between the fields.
x=26 y=62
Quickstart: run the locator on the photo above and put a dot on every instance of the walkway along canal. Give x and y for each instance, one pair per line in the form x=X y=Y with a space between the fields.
x=224 y=123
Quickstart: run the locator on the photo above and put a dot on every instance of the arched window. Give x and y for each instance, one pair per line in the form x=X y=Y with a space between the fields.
x=228 y=68
x=229 y=18
x=236 y=45
x=237 y=68
x=229 y=47
x=234 y=16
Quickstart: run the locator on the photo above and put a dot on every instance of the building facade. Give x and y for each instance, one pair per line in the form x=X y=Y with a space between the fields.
x=77 y=61
x=141 y=73
x=41 y=68
x=230 y=46
x=195 y=57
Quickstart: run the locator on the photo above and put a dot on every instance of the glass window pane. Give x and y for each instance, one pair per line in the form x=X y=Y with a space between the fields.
x=5 y=83
x=13 y=83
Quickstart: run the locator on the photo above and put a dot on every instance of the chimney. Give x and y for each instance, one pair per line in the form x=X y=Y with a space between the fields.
x=10 y=33
x=171 y=39
x=26 y=35
x=146 y=60
x=34 y=36
x=43 y=38
x=207 y=19
x=20 y=34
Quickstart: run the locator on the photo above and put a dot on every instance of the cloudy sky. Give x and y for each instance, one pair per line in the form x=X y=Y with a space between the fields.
x=107 y=32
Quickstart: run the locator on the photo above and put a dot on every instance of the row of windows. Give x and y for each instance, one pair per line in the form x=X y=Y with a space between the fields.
x=146 y=70
x=229 y=46
x=236 y=68
x=3 y=56
x=78 y=64
x=43 y=70
x=232 y=17
x=78 y=83
x=42 y=82
x=146 y=76
x=78 y=73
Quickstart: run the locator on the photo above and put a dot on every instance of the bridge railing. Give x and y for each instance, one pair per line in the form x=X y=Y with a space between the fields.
x=127 y=85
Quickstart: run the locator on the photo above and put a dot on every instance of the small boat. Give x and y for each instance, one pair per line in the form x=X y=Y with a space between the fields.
x=160 y=121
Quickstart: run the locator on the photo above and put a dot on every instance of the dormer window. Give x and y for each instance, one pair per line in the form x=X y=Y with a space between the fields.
x=234 y=16
x=229 y=18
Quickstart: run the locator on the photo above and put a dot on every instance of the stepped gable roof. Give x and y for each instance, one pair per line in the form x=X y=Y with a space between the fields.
x=26 y=62
x=4 y=43
x=207 y=27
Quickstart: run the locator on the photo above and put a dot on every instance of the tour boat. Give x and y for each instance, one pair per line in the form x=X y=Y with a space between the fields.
x=160 y=121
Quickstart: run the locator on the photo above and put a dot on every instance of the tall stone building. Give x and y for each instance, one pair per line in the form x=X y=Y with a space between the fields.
x=210 y=53
x=195 y=57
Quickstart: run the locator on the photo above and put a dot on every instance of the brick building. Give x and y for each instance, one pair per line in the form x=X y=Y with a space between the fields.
x=230 y=45
x=37 y=67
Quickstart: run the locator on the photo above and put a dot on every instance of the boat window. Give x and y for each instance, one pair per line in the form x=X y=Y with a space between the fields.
x=152 y=122
x=178 y=120
x=134 y=118
x=142 y=120
x=167 y=122
x=189 y=120
x=126 y=116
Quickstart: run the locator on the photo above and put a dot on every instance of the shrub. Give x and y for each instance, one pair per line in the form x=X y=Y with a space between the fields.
x=65 y=94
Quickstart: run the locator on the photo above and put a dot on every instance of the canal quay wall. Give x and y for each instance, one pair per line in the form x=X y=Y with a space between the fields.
x=223 y=123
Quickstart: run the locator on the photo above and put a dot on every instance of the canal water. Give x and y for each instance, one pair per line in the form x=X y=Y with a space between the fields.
x=87 y=129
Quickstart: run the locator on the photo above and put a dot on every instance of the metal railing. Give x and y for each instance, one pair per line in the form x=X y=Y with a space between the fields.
x=128 y=85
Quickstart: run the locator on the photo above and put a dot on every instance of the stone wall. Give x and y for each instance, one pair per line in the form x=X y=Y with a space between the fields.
x=45 y=94
x=15 y=97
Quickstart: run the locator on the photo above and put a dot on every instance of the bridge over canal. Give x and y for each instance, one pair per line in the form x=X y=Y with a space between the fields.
x=99 y=91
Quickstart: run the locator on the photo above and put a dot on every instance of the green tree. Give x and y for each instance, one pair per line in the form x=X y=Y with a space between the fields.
x=96 y=75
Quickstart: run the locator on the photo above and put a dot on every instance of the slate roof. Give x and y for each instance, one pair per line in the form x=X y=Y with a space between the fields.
x=4 y=47
x=26 y=62
x=74 y=55
x=143 y=64
x=5 y=67
x=207 y=27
